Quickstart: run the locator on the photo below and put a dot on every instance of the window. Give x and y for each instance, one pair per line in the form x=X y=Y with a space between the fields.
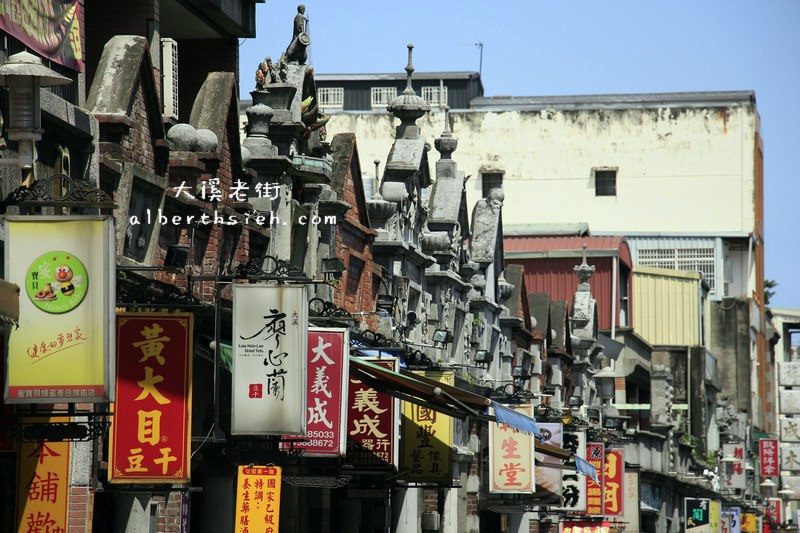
x=491 y=180
x=605 y=182
x=381 y=96
x=330 y=97
x=695 y=259
x=435 y=95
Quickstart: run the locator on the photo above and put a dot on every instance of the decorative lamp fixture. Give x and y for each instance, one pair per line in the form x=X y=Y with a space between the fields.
x=23 y=74
x=785 y=492
x=482 y=356
x=575 y=402
x=768 y=483
x=442 y=336
x=385 y=303
x=593 y=414
x=176 y=257
x=332 y=268
x=729 y=459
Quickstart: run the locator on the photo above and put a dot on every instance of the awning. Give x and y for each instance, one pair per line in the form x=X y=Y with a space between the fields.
x=443 y=398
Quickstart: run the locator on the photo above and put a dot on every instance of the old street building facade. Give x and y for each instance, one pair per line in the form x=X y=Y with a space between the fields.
x=502 y=376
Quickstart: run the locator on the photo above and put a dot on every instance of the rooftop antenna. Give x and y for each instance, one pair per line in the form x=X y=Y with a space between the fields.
x=479 y=44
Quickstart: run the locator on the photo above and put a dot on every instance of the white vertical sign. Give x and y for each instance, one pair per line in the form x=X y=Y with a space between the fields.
x=573 y=484
x=270 y=343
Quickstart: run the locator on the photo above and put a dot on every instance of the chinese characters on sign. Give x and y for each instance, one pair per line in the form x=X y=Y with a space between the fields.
x=749 y=523
x=613 y=481
x=258 y=499
x=697 y=515
x=43 y=485
x=790 y=429
x=151 y=427
x=768 y=456
x=774 y=510
x=60 y=350
x=328 y=372
x=211 y=191
x=632 y=504
x=595 y=456
x=371 y=432
x=511 y=457
x=573 y=484
x=790 y=458
x=734 y=472
x=427 y=439
x=270 y=339
x=731 y=518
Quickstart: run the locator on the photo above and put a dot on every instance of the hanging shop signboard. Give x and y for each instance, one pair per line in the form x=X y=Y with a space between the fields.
x=697 y=515
x=43 y=484
x=326 y=390
x=573 y=484
x=613 y=483
x=733 y=470
x=258 y=499
x=768 y=457
x=270 y=339
x=372 y=433
x=731 y=519
x=595 y=456
x=51 y=28
x=151 y=426
x=427 y=439
x=64 y=266
x=511 y=457
x=586 y=527
x=790 y=429
x=632 y=505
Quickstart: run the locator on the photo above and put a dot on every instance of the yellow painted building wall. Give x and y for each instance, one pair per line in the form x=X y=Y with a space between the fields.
x=666 y=306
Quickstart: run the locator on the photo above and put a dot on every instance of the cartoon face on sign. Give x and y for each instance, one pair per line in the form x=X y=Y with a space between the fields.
x=56 y=282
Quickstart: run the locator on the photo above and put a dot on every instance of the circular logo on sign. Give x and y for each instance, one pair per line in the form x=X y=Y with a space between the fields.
x=56 y=282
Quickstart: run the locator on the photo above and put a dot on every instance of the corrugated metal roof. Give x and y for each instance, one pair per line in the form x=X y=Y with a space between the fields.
x=667 y=306
x=519 y=247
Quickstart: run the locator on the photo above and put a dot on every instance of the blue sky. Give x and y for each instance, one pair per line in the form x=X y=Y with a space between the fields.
x=583 y=47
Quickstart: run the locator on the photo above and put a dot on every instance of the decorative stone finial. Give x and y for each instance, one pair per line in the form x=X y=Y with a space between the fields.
x=408 y=107
x=584 y=271
x=446 y=144
x=409 y=70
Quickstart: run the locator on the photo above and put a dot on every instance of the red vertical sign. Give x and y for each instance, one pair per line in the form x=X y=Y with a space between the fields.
x=768 y=455
x=613 y=479
x=150 y=432
x=595 y=455
x=773 y=510
x=328 y=352
x=371 y=434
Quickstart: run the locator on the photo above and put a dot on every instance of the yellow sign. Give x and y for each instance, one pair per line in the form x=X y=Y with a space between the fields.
x=428 y=439
x=749 y=524
x=43 y=484
x=713 y=516
x=65 y=268
x=258 y=499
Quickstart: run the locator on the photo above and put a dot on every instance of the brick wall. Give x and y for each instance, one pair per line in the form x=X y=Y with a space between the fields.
x=79 y=510
x=168 y=513
x=353 y=241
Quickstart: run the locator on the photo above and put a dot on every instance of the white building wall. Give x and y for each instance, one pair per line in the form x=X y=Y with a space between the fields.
x=688 y=171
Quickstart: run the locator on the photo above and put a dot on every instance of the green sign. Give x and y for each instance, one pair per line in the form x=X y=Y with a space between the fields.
x=56 y=282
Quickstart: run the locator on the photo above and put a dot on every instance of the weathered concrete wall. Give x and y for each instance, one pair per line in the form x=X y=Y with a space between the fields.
x=682 y=157
x=729 y=341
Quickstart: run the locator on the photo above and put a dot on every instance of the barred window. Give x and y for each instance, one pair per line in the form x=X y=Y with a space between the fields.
x=695 y=259
x=381 y=96
x=605 y=182
x=435 y=95
x=330 y=97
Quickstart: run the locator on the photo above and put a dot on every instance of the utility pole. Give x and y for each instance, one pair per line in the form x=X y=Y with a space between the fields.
x=479 y=44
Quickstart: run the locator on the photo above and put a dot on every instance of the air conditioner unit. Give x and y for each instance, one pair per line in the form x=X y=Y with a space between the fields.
x=169 y=77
